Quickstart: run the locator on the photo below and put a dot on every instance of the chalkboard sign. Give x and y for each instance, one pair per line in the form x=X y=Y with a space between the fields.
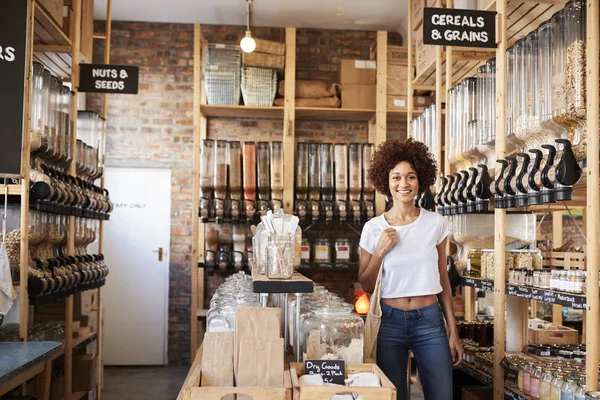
x=455 y=27
x=332 y=371
x=106 y=78
x=13 y=42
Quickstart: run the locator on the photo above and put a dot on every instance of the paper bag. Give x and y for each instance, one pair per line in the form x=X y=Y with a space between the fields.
x=260 y=363
x=217 y=359
x=255 y=322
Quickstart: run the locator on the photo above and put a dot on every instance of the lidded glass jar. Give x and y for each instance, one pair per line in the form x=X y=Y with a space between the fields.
x=322 y=253
x=545 y=383
x=221 y=319
x=342 y=250
x=580 y=393
x=536 y=259
x=305 y=250
x=474 y=263
x=534 y=386
x=490 y=69
x=527 y=378
x=523 y=259
x=567 y=391
x=556 y=386
x=333 y=332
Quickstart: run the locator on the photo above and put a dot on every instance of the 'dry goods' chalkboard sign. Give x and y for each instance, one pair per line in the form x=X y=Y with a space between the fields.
x=332 y=371
x=454 y=27
x=13 y=34
x=106 y=78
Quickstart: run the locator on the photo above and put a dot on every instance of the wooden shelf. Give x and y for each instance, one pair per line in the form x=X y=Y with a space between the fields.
x=477 y=374
x=219 y=111
x=77 y=342
x=334 y=114
x=296 y=284
x=46 y=31
x=13 y=190
x=202 y=313
x=57 y=59
x=460 y=69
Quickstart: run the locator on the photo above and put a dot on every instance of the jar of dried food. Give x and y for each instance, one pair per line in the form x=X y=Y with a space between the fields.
x=512 y=277
x=509 y=260
x=474 y=263
x=545 y=383
x=488 y=260
x=333 y=332
x=545 y=278
x=523 y=259
x=534 y=385
x=528 y=277
x=322 y=251
x=556 y=385
x=567 y=392
x=484 y=264
x=579 y=282
x=521 y=277
x=536 y=278
x=537 y=259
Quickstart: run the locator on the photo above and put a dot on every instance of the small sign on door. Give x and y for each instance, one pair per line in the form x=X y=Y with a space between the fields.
x=457 y=27
x=107 y=78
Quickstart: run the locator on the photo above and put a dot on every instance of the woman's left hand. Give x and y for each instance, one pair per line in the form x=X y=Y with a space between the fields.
x=456 y=350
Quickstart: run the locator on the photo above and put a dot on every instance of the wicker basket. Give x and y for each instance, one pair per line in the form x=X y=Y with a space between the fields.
x=222 y=78
x=263 y=60
x=259 y=86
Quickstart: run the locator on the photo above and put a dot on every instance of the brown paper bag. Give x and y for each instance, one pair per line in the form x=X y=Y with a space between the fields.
x=217 y=359
x=260 y=363
x=255 y=322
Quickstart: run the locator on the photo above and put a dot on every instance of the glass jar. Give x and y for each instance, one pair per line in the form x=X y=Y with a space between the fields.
x=511 y=93
x=509 y=260
x=333 y=332
x=280 y=257
x=327 y=177
x=474 y=263
x=305 y=250
x=575 y=43
x=534 y=385
x=545 y=278
x=580 y=393
x=522 y=367
x=221 y=319
x=545 y=384
x=523 y=259
x=488 y=255
x=484 y=264
x=342 y=251
x=490 y=69
x=527 y=378
x=537 y=260
x=556 y=386
x=322 y=251
x=567 y=391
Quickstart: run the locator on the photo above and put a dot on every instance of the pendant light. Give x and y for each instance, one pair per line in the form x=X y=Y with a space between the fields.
x=247 y=43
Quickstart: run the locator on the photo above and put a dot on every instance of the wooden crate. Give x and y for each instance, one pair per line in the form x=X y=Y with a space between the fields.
x=192 y=390
x=387 y=391
x=568 y=260
x=559 y=335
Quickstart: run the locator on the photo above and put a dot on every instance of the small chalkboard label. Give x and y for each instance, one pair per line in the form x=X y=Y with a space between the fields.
x=106 y=78
x=457 y=27
x=332 y=371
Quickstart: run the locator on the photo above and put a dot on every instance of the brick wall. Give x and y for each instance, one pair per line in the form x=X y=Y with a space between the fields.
x=154 y=128
x=570 y=230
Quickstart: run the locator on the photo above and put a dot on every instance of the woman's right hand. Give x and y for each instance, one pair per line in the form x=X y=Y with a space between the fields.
x=387 y=240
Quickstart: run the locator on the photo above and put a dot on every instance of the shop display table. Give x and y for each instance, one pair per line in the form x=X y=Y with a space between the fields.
x=21 y=361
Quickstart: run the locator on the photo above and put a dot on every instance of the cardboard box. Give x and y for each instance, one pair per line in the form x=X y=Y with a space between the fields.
x=477 y=393
x=54 y=9
x=358 y=72
x=397 y=102
x=82 y=303
x=397 y=79
x=359 y=96
x=398 y=55
x=85 y=372
x=425 y=54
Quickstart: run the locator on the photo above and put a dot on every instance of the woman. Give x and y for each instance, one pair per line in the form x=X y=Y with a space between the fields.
x=410 y=245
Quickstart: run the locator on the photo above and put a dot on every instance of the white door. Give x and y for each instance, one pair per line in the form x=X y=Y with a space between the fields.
x=136 y=295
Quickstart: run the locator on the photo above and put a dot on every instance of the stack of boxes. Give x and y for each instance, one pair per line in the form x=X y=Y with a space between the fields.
x=359 y=84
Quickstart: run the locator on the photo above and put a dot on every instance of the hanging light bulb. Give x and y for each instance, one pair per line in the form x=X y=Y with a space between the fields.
x=248 y=44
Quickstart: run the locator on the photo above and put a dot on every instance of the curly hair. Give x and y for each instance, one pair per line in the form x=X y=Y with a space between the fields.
x=393 y=151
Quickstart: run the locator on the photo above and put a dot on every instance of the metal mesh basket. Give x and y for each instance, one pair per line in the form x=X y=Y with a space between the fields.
x=222 y=80
x=259 y=86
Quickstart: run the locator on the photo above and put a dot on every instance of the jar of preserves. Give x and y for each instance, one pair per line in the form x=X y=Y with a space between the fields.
x=333 y=332
x=342 y=251
x=556 y=385
x=554 y=279
x=474 y=263
x=512 y=277
x=536 y=278
x=545 y=383
x=322 y=251
x=305 y=250
x=527 y=378
x=580 y=393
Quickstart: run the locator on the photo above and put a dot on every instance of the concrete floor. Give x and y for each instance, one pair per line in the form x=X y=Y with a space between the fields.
x=156 y=383
x=143 y=383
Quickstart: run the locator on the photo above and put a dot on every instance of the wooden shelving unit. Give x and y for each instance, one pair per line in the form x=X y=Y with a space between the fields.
x=376 y=118
x=53 y=48
x=516 y=19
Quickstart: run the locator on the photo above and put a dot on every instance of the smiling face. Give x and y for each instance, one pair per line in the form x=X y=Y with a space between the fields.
x=403 y=182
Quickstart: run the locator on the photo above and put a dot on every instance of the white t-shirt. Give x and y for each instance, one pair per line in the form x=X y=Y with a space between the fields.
x=411 y=267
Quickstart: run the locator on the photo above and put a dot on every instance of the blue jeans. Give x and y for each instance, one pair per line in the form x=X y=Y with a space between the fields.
x=423 y=331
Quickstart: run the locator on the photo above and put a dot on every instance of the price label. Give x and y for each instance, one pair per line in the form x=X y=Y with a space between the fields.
x=332 y=371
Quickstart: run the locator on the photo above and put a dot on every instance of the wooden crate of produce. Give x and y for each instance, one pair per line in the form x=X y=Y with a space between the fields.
x=544 y=332
x=566 y=260
x=387 y=391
